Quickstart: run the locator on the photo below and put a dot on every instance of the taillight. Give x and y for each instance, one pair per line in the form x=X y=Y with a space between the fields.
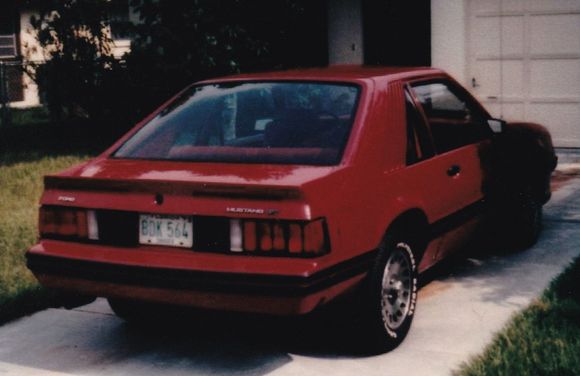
x=235 y=236
x=292 y=238
x=68 y=222
x=249 y=241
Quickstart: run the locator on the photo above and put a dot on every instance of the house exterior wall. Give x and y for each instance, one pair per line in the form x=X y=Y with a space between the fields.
x=121 y=47
x=31 y=51
x=448 y=25
x=345 y=32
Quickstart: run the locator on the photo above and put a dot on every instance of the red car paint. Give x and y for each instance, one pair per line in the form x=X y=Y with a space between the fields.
x=359 y=199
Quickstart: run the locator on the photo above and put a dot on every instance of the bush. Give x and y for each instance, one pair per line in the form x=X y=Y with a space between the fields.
x=76 y=46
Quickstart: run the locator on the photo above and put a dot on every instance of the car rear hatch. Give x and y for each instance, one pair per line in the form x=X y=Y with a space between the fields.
x=229 y=207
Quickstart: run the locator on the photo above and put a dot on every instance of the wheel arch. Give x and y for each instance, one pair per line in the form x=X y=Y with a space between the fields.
x=413 y=225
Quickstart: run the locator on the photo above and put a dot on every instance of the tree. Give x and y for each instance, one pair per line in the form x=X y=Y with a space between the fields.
x=76 y=46
x=174 y=44
x=178 y=43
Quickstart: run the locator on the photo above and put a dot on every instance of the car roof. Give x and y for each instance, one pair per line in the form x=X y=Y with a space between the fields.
x=338 y=73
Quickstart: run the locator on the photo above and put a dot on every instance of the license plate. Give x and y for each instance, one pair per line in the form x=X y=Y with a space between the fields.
x=169 y=230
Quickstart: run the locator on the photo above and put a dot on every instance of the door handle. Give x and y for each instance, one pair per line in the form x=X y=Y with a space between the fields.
x=454 y=170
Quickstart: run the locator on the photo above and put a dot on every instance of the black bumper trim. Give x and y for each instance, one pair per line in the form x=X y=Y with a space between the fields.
x=180 y=279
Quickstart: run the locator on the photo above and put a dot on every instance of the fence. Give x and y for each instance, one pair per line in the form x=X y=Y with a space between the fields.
x=11 y=88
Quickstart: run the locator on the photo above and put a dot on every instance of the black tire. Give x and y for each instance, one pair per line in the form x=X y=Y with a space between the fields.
x=517 y=221
x=527 y=220
x=391 y=296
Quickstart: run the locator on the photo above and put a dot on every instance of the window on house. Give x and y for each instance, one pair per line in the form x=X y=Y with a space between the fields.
x=7 y=34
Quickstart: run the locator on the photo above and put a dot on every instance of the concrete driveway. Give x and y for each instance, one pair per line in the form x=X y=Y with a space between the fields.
x=458 y=312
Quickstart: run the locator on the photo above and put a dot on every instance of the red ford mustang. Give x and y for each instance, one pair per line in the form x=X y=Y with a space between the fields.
x=277 y=193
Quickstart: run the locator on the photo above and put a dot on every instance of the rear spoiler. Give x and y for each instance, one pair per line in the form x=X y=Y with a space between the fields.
x=52 y=182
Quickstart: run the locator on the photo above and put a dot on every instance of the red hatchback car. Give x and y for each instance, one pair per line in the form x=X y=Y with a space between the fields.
x=278 y=193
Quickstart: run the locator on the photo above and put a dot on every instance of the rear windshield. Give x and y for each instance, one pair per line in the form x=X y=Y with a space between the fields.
x=252 y=122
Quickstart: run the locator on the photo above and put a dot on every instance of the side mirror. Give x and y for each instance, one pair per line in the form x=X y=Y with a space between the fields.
x=496 y=125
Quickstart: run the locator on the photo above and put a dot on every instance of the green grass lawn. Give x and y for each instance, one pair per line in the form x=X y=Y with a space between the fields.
x=544 y=339
x=20 y=190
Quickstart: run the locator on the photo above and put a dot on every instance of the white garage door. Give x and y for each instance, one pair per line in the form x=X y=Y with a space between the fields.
x=524 y=62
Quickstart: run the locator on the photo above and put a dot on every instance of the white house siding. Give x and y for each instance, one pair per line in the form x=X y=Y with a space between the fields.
x=30 y=50
x=121 y=47
x=448 y=37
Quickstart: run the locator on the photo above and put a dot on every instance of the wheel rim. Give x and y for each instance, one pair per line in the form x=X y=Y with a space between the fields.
x=396 y=288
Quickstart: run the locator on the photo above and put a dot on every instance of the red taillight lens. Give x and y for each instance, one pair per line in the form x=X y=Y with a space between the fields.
x=295 y=238
x=282 y=237
x=278 y=240
x=82 y=226
x=314 y=237
x=265 y=236
x=250 y=236
x=66 y=222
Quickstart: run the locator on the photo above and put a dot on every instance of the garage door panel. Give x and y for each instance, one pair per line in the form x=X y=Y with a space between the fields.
x=489 y=76
x=491 y=6
x=492 y=107
x=562 y=119
x=512 y=35
x=514 y=112
x=511 y=112
x=555 y=34
x=513 y=78
x=487 y=34
x=488 y=81
x=556 y=78
x=552 y=5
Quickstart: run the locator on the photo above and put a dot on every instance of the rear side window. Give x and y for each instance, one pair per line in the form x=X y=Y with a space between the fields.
x=254 y=122
x=454 y=120
x=419 y=144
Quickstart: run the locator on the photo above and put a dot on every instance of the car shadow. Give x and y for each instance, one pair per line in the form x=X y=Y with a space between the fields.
x=328 y=332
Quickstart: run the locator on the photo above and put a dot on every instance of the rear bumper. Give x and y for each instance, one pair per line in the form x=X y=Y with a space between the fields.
x=273 y=294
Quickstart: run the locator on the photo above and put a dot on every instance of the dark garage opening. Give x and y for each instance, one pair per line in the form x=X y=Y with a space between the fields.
x=397 y=33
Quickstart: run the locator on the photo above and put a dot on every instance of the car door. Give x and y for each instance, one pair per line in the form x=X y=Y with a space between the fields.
x=458 y=128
